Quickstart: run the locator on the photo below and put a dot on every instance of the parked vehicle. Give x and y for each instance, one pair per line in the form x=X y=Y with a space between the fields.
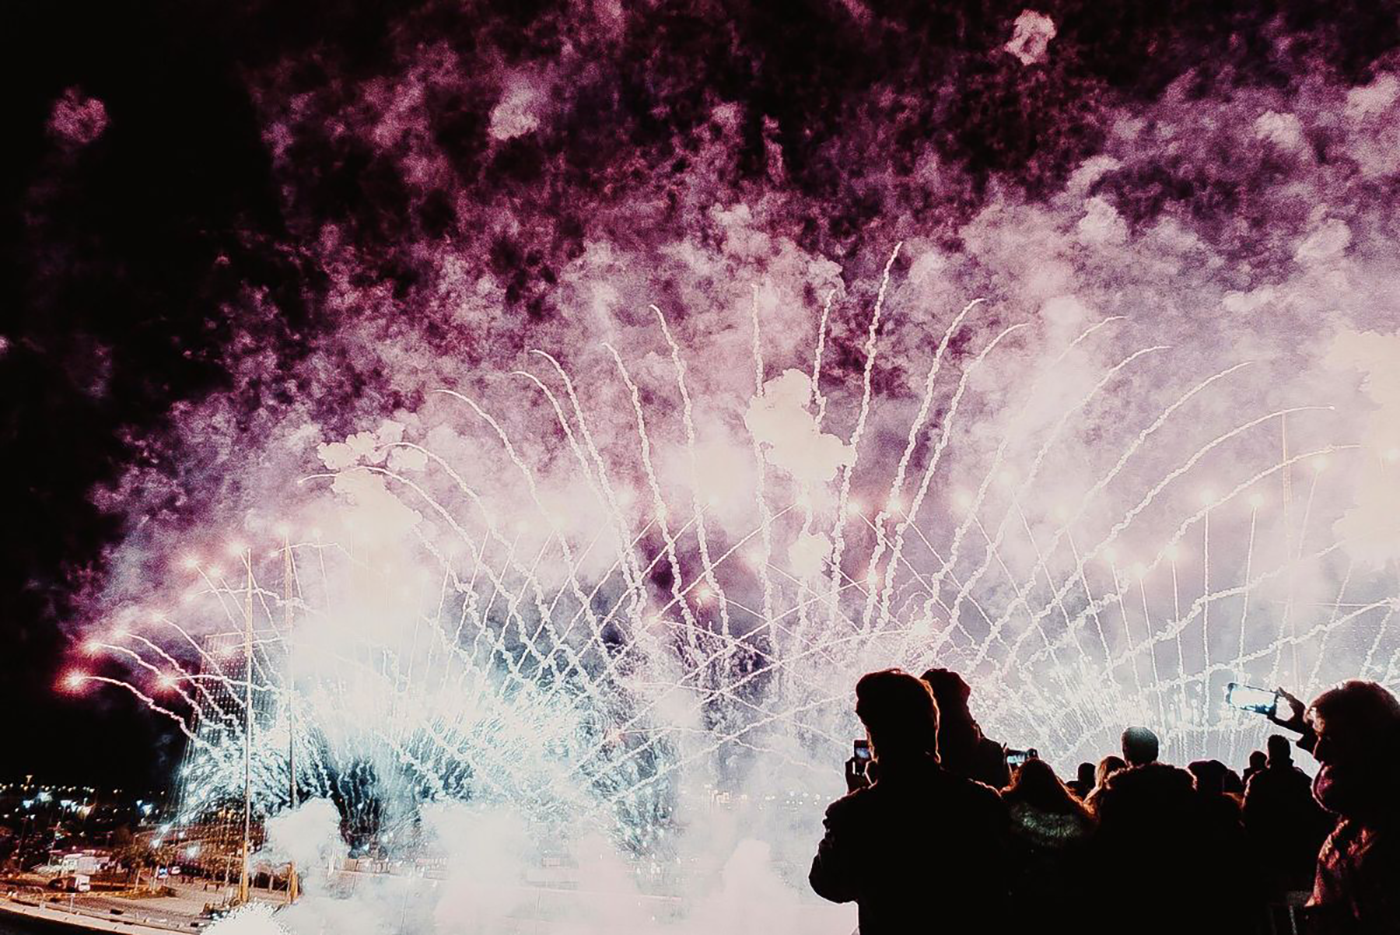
x=72 y=883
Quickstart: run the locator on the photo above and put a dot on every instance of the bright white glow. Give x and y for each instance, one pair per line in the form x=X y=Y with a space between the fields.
x=513 y=633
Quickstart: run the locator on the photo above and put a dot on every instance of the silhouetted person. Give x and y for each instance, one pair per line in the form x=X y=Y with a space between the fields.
x=1212 y=779
x=1155 y=873
x=1237 y=886
x=962 y=747
x=1083 y=782
x=1050 y=831
x=1257 y=759
x=1231 y=780
x=1107 y=767
x=920 y=849
x=1284 y=821
x=1353 y=730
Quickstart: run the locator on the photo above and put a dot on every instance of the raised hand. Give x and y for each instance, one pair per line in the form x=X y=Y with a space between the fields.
x=856 y=777
x=1294 y=720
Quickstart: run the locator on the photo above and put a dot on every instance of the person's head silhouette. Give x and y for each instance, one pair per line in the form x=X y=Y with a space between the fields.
x=899 y=714
x=1257 y=760
x=1034 y=782
x=1280 y=751
x=1358 y=744
x=951 y=692
x=1139 y=746
x=1107 y=767
x=1209 y=775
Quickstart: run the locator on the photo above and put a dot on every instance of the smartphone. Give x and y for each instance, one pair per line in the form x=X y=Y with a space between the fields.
x=862 y=750
x=1248 y=698
x=1015 y=758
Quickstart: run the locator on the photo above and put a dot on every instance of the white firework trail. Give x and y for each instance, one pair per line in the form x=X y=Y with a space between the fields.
x=588 y=652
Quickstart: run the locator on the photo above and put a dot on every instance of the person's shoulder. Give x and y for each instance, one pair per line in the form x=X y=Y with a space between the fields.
x=1050 y=827
x=1126 y=778
x=1149 y=776
x=989 y=748
x=857 y=805
x=970 y=793
x=1166 y=773
x=850 y=805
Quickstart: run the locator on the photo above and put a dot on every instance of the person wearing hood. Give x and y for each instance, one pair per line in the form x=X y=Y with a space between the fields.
x=1049 y=831
x=1353 y=731
x=963 y=749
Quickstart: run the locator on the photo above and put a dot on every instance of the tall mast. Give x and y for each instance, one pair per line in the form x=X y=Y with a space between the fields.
x=247 y=727
x=291 y=697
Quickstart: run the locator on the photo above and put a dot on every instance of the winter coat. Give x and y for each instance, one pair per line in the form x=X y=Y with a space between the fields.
x=1357 y=888
x=1161 y=845
x=1286 y=823
x=1048 y=863
x=920 y=851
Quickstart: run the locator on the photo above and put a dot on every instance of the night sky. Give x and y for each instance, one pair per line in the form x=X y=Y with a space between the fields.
x=201 y=195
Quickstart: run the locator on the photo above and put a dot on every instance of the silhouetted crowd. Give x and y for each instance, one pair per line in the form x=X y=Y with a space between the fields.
x=938 y=834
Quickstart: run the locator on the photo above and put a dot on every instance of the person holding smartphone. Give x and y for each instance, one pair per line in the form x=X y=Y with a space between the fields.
x=1353 y=731
x=918 y=848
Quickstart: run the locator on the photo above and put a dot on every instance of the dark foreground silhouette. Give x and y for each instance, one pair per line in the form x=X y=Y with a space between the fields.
x=938 y=834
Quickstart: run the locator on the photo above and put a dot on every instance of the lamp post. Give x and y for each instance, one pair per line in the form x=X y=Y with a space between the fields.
x=247 y=728
x=291 y=699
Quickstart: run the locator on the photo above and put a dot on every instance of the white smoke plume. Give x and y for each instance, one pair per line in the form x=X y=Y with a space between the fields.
x=596 y=523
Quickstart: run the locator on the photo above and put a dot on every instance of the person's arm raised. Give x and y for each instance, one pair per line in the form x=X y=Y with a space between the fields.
x=1295 y=720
